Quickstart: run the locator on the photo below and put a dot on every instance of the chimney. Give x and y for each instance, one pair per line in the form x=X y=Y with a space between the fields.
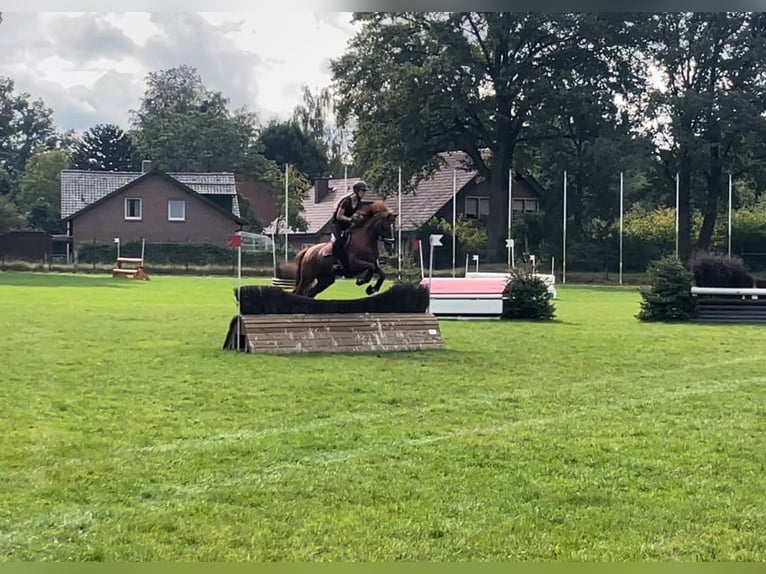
x=321 y=188
x=146 y=166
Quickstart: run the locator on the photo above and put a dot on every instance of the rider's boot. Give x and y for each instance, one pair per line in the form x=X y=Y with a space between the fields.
x=338 y=257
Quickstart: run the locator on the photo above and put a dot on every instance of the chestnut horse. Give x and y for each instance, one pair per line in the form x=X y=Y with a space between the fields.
x=315 y=263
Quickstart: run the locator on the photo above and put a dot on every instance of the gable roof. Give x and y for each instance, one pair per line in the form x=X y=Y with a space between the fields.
x=81 y=188
x=154 y=172
x=317 y=215
x=418 y=206
x=433 y=193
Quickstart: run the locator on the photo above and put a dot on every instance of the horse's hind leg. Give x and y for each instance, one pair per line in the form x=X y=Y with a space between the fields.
x=323 y=282
x=302 y=285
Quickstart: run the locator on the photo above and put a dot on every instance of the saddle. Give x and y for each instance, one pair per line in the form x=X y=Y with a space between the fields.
x=327 y=248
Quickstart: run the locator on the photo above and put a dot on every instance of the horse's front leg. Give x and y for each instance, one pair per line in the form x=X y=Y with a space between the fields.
x=361 y=265
x=381 y=277
x=364 y=277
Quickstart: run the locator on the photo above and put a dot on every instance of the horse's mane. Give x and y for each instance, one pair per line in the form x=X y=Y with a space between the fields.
x=374 y=208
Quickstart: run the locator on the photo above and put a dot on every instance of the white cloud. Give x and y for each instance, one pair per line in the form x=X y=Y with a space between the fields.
x=90 y=67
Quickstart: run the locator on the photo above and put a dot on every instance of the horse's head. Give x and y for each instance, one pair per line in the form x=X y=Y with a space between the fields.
x=379 y=220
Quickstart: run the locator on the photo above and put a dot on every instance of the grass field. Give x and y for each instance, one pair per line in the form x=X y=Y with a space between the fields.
x=127 y=434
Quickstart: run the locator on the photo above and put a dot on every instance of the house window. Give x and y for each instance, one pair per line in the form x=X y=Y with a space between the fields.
x=176 y=210
x=525 y=205
x=133 y=208
x=476 y=207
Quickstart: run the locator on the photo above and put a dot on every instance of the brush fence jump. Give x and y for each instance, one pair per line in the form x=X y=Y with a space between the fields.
x=730 y=305
x=273 y=321
x=470 y=297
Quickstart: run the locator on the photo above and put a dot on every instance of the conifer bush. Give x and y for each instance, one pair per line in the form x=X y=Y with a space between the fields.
x=668 y=298
x=527 y=297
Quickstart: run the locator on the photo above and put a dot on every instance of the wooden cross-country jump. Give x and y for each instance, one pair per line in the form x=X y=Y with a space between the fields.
x=274 y=321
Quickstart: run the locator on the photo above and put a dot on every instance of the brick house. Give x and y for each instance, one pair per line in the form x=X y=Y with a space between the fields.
x=431 y=198
x=159 y=207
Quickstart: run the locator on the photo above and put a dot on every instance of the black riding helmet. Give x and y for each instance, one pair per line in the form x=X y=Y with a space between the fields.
x=360 y=186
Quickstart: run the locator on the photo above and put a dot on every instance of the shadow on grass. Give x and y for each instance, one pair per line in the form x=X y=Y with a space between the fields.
x=25 y=279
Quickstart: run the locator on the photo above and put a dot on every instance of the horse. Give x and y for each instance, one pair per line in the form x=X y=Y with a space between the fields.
x=315 y=263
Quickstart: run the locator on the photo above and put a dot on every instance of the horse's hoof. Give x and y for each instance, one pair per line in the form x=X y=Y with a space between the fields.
x=370 y=290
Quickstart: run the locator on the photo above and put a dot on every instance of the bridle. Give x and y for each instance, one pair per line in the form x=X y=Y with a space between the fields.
x=385 y=233
x=389 y=241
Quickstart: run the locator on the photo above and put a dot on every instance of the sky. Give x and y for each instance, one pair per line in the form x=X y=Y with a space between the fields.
x=90 y=67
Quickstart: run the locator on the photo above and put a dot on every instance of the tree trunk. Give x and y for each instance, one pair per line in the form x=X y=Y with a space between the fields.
x=712 y=198
x=497 y=224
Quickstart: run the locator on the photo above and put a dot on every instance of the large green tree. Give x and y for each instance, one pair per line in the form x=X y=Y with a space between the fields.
x=181 y=125
x=39 y=195
x=286 y=143
x=709 y=108
x=106 y=147
x=10 y=219
x=418 y=84
x=317 y=117
x=26 y=126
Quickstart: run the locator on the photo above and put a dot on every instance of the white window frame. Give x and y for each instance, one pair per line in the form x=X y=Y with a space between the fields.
x=183 y=203
x=139 y=217
x=479 y=200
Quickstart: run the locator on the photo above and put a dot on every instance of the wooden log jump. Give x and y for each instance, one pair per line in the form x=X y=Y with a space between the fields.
x=342 y=333
x=135 y=272
x=136 y=269
x=730 y=304
x=276 y=322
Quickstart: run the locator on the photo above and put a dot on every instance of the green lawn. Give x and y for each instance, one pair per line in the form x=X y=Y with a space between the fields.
x=127 y=434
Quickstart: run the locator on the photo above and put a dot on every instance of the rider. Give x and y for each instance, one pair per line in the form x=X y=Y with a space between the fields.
x=342 y=220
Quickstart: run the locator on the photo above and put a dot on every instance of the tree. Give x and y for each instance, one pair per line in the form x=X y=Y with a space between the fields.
x=182 y=126
x=298 y=186
x=106 y=147
x=418 y=84
x=317 y=118
x=285 y=143
x=710 y=108
x=10 y=218
x=26 y=127
x=39 y=197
